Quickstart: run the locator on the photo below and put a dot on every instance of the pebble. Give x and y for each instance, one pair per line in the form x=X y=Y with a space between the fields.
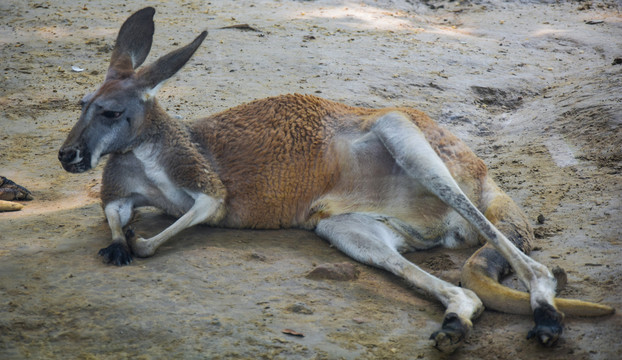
x=337 y=271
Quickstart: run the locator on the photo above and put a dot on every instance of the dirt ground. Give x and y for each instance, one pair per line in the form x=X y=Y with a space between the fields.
x=534 y=87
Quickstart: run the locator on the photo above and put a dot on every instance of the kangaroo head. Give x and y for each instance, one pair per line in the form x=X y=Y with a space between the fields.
x=116 y=116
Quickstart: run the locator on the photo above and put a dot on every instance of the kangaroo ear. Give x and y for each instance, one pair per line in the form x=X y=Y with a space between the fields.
x=153 y=75
x=132 y=45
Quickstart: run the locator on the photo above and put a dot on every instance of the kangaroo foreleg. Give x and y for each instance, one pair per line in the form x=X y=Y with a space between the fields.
x=204 y=207
x=118 y=213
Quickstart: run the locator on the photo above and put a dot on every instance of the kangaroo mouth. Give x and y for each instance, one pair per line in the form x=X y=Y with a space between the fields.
x=78 y=167
x=75 y=160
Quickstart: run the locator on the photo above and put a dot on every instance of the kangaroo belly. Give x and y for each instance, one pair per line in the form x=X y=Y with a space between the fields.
x=420 y=217
x=370 y=181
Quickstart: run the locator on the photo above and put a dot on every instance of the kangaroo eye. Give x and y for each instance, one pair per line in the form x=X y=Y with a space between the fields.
x=111 y=114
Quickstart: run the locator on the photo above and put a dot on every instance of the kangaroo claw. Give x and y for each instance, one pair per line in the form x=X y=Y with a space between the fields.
x=548 y=326
x=116 y=254
x=450 y=337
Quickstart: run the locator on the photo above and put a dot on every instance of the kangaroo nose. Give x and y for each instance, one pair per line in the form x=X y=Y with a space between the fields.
x=66 y=155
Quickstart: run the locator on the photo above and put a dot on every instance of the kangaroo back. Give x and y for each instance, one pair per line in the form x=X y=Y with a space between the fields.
x=276 y=155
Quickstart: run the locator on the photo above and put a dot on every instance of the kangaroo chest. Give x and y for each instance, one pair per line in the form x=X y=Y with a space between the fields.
x=157 y=186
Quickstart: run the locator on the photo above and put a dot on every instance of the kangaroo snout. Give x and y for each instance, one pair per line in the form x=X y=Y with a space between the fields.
x=74 y=159
x=67 y=155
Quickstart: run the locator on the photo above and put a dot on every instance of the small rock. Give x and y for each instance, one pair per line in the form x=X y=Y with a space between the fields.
x=541 y=219
x=338 y=271
x=257 y=256
x=300 y=308
x=561 y=277
x=292 y=332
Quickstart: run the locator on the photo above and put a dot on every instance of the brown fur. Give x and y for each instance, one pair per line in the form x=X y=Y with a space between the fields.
x=276 y=156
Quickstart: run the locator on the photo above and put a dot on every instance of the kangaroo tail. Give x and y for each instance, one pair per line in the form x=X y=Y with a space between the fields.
x=482 y=273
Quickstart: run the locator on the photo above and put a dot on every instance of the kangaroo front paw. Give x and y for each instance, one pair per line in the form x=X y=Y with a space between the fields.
x=548 y=325
x=140 y=247
x=454 y=330
x=118 y=254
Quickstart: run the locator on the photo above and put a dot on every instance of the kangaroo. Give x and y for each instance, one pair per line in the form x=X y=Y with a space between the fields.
x=375 y=183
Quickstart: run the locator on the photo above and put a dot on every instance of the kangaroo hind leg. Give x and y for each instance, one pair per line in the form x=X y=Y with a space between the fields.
x=367 y=239
x=483 y=270
x=411 y=150
x=487 y=266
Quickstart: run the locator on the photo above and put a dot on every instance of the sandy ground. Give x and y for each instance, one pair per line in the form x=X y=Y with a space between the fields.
x=533 y=87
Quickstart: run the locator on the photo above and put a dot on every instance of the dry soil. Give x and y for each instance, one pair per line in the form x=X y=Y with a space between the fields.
x=534 y=87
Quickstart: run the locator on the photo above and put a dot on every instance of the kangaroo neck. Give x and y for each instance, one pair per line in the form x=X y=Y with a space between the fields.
x=161 y=128
x=167 y=143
